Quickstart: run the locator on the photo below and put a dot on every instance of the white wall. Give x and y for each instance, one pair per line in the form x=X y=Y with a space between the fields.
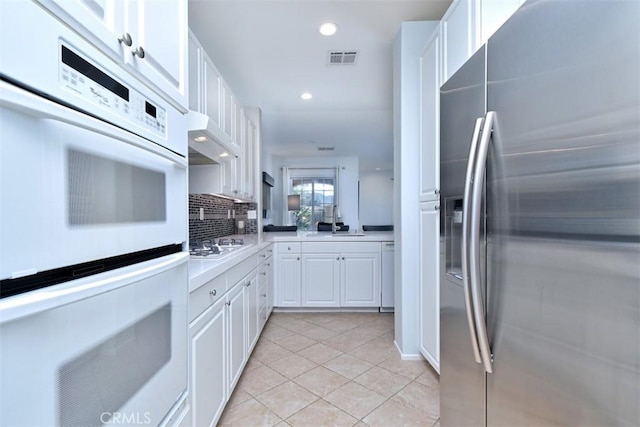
x=409 y=43
x=376 y=198
x=347 y=182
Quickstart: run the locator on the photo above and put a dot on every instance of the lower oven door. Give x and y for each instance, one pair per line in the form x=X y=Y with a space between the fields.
x=77 y=189
x=106 y=349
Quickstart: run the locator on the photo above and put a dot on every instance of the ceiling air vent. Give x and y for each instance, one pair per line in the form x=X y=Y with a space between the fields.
x=343 y=57
x=326 y=148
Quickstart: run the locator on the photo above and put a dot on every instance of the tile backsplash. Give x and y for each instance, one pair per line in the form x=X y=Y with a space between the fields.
x=216 y=211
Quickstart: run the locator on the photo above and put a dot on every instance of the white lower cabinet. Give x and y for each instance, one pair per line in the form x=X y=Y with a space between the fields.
x=251 y=310
x=328 y=274
x=224 y=328
x=237 y=351
x=208 y=365
x=320 y=280
x=288 y=274
x=360 y=279
x=265 y=285
x=429 y=291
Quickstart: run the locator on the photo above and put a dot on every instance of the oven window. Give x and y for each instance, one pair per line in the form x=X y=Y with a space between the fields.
x=95 y=384
x=107 y=191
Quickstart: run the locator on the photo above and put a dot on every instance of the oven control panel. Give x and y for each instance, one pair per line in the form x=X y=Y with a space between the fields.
x=92 y=84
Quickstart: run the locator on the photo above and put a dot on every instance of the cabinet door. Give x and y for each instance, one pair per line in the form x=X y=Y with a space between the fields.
x=430 y=119
x=360 y=280
x=212 y=88
x=208 y=362
x=458 y=29
x=320 y=280
x=235 y=338
x=196 y=78
x=251 y=310
x=229 y=186
x=228 y=106
x=101 y=21
x=288 y=280
x=250 y=155
x=159 y=27
x=429 y=291
x=241 y=141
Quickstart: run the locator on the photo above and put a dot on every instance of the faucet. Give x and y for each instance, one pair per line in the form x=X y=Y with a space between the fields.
x=334 y=228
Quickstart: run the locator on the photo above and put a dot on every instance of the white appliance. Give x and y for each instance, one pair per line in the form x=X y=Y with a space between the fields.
x=388 y=255
x=93 y=226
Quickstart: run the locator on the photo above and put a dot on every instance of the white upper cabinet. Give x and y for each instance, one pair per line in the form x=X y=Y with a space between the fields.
x=467 y=25
x=212 y=91
x=458 y=30
x=494 y=13
x=196 y=58
x=149 y=37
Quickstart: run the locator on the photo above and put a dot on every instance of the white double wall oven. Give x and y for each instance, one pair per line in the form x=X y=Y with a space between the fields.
x=93 y=230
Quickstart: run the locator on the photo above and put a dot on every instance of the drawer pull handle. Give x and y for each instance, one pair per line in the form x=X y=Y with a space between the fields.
x=264 y=274
x=213 y=293
x=228 y=303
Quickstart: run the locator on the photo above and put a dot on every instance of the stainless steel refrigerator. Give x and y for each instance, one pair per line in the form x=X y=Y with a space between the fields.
x=540 y=176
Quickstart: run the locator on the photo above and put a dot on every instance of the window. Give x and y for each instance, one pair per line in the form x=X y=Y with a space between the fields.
x=318 y=195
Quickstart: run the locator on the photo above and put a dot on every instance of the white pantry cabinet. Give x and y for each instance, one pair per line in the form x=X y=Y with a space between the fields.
x=149 y=37
x=429 y=292
x=430 y=78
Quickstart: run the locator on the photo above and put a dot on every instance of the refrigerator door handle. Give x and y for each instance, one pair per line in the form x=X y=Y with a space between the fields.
x=474 y=240
x=466 y=280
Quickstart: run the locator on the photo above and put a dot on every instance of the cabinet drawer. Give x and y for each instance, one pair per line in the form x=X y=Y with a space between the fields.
x=289 y=247
x=340 y=247
x=265 y=253
x=239 y=271
x=206 y=295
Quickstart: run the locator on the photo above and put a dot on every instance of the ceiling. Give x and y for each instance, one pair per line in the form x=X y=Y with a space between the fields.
x=270 y=51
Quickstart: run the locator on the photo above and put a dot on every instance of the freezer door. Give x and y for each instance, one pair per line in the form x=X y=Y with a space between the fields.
x=462 y=380
x=564 y=215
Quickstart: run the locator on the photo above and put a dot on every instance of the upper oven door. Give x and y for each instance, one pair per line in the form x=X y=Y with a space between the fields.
x=76 y=189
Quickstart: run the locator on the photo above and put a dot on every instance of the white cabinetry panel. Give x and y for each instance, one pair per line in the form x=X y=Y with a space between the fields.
x=430 y=73
x=429 y=312
x=208 y=366
x=320 y=280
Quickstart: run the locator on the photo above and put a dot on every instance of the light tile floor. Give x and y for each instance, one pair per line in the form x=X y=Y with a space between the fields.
x=332 y=369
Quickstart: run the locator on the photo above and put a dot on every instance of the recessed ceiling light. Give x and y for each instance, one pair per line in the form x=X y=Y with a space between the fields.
x=328 y=29
x=377 y=169
x=200 y=138
x=224 y=154
x=306 y=96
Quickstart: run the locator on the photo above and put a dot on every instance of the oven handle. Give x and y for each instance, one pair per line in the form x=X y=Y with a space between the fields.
x=19 y=99
x=30 y=303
